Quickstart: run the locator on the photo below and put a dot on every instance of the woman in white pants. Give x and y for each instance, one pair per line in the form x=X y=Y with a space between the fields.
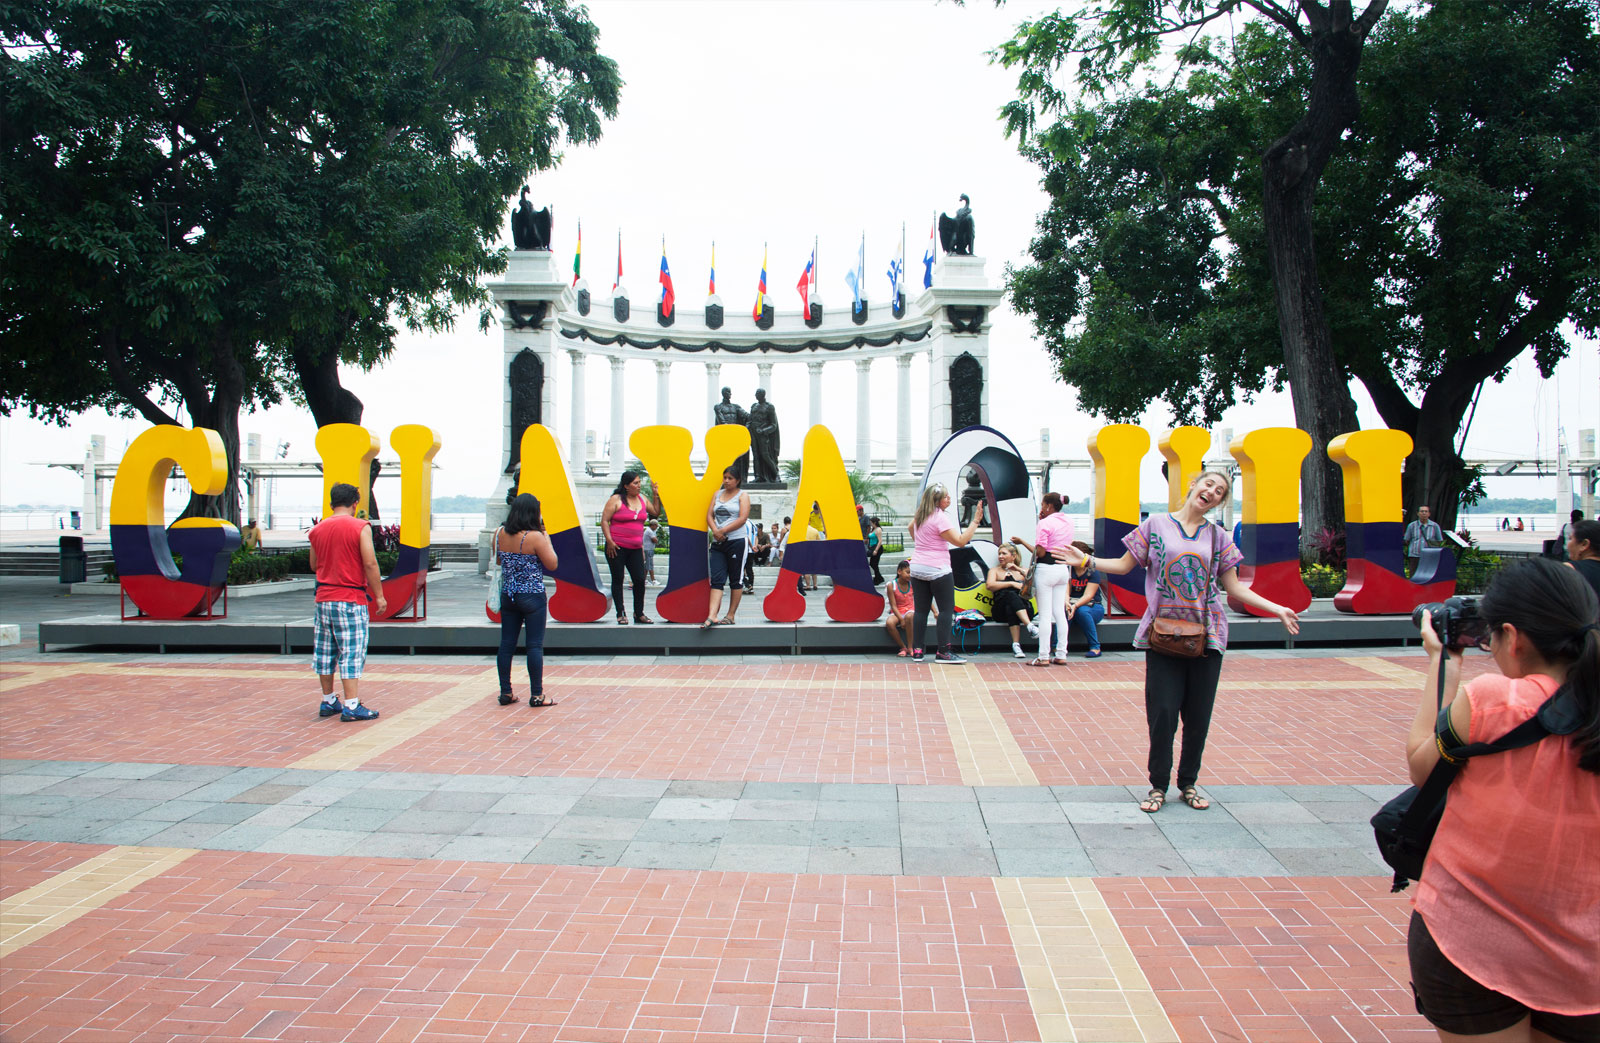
x=1051 y=574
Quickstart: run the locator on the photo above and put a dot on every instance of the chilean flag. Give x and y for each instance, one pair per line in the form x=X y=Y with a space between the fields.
x=667 y=296
x=804 y=285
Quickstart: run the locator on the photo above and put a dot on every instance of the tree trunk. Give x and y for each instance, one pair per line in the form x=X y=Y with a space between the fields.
x=1291 y=168
x=316 y=363
x=219 y=411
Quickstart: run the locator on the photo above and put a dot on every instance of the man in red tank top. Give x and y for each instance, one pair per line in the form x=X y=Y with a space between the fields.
x=347 y=568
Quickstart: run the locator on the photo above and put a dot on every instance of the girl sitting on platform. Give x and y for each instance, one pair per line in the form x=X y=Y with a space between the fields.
x=1010 y=587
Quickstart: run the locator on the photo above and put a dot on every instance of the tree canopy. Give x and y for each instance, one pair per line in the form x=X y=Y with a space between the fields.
x=214 y=204
x=1455 y=228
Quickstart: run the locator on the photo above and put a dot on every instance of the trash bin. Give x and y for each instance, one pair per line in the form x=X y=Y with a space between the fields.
x=77 y=520
x=74 y=562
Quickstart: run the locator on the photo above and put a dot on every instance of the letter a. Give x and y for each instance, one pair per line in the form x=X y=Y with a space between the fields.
x=843 y=555
x=578 y=597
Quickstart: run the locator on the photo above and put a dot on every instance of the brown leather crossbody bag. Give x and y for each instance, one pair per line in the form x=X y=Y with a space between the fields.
x=1183 y=638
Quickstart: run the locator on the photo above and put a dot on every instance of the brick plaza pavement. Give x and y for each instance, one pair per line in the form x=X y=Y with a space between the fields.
x=745 y=848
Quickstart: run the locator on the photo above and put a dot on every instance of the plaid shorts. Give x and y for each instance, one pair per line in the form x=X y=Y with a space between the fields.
x=340 y=638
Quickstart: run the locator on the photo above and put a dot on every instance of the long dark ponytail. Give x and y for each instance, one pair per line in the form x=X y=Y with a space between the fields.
x=1557 y=611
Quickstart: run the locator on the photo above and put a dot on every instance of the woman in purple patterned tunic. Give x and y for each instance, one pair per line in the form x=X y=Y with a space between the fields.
x=1182 y=554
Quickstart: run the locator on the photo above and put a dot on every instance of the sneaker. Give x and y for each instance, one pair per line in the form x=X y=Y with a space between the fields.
x=506 y=698
x=949 y=657
x=1093 y=653
x=916 y=655
x=329 y=709
x=358 y=713
x=1033 y=628
x=1017 y=651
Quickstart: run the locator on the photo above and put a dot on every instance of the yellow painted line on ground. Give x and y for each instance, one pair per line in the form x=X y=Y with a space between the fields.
x=1083 y=982
x=373 y=738
x=1385 y=668
x=986 y=751
x=36 y=674
x=29 y=915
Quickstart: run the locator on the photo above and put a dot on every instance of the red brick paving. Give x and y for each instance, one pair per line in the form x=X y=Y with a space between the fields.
x=257 y=946
x=24 y=864
x=735 y=724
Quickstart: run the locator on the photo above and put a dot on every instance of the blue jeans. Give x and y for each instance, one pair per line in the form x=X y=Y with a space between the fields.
x=1087 y=619
x=514 y=610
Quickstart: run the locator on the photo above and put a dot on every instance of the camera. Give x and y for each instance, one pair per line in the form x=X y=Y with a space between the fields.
x=1455 y=620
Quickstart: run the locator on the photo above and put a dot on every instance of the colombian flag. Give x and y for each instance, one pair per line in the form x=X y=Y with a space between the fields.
x=577 y=256
x=667 y=296
x=761 y=289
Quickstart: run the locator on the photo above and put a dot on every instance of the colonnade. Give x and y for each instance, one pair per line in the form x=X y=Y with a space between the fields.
x=619 y=429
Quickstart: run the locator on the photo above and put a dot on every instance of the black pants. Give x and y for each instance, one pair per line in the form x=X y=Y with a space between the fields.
x=631 y=558
x=924 y=592
x=874 y=556
x=1179 y=689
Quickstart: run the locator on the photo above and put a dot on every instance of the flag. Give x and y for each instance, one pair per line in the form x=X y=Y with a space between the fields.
x=857 y=279
x=667 y=296
x=712 y=291
x=804 y=285
x=897 y=269
x=619 y=264
x=927 y=258
x=577 y=256
x=761 y=288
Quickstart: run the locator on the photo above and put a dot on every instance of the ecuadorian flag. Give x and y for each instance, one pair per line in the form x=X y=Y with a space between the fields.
x=761 y=288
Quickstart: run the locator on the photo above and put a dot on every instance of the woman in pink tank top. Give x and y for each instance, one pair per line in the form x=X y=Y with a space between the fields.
x=622 y=521
x=1505 y=930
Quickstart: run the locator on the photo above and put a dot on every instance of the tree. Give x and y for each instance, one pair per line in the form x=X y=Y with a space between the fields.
x=212 y=204
x=1114 y=40
x=1456 y=228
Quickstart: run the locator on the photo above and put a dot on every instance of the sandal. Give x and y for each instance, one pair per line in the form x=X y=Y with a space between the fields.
x=1059 y=660
x=708 y=624
x=643 y=620
x=1192 y=798
x=1153 y=801
x=725 y=621
x=622 y=621
x=540 y=700
x=506 y=698
x=902 y=653
x=1040 y=661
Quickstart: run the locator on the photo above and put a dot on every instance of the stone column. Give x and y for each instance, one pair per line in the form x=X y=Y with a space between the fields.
x=764 y=378
x=864 y=415
x=902 y=403
x=815 y=369
x=663 y=375
x=713 y=391
x=577 y=452
x=619 y=445
x=961 y=304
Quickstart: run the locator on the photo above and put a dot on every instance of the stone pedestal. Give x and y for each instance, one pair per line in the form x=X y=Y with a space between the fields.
x=960 y=304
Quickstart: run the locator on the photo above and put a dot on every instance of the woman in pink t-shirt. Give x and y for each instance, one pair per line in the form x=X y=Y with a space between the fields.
x=933 y=533
x=1050 y=575
x=1505 y=929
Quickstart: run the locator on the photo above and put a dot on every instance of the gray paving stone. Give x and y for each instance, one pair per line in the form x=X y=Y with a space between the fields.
x=63 y=767
x=175 y=810
x=323 y=794
x=199 y=773
x=533 y=804
x=1309 y=793
x=1014 y=861
x=161 y=789
x=72 y=831
x=855 y=834
x=128 y=771
x=937 y=794
x=1382 y=794
x=1097 y=794
x=484 y=784
x=1223 y=835
x=279 y=816
x=227 y=814
x=1296 y=835
x=563 y=851
x=81 y=787
x=1026 y=811
x=683 y=831
x=355 y=820
x=487 y=849
x=244 y=837
x=41 y=804
x=297 y=841
x=241 y=781
x=404 y=780
x=1275 y=812
x=1012 y=794
x=595 y=828
x=968 y=814
x=598 y=805
x=1034 y=835
x=806 y=791
x=881 y=861
x=533 y=826
x=13 y=785
x=1097 y=836
x=942 y=834
x=1244 y=794
x=1152 y=862
x=1342 y=810
x=636 y=789
x=458 y=800
x=872 y=792
x=948 y=861
x=415 y=820
x=1089 y=811
x=690 y=788
x=186 y=834
x=716 y=808
x=367 y=797
x=127 y=832
x=552 y=785
x=857 y=811
x=775 y=809
x=108 y=809
x=762 y=858
x=266 y=793
x=400 y=845
x=1251 y=861
x=1329 y=861
x=655 y=854
x=15 y=764
x=782 y=834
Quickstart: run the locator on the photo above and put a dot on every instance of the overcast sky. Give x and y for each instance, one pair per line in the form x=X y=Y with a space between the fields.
x=774 y=124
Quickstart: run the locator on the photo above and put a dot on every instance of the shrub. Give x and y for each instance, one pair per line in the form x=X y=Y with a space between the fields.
x=1324 y=580
x=1474 y=569
x=1327 y=547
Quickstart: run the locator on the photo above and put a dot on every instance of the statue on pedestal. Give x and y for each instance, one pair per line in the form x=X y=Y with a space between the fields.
x=956 y=234
x=730 y=412
x=530 y=228
x=764 y=439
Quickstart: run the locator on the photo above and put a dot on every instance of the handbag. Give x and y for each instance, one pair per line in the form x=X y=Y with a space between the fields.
x=1404 y=827
x=491 y=604
x=1184 y=638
